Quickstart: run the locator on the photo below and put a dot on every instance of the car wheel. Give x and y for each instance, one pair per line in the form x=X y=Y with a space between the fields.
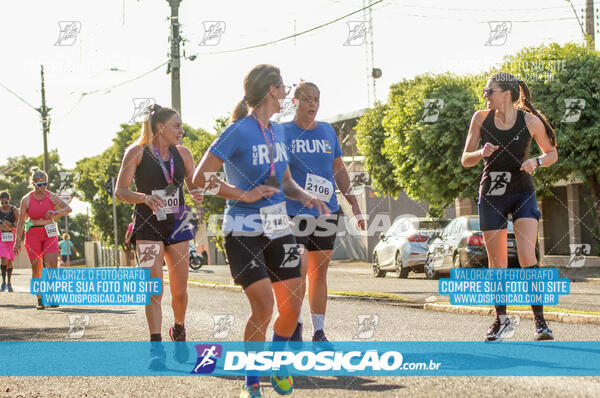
x=430 y=273
x=457 y=263
x=377 y=272
x=401 y=272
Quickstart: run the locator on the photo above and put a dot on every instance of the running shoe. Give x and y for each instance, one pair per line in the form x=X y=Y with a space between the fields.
x=40 y=305
x=3 y=287
x=323 y=343
x=177 y=333
x=54 y=306
x=282 y=383
x=542 y=331
x=498 y=330
x=253 y=391
x=10 y=288
x=158 y=356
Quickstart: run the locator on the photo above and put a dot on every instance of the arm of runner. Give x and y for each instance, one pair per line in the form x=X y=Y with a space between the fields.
x=471 y=155
x=538 y=131
x=342 y=180
x=211 y=163
x=293 y=191
x=131 y=159
x=196 y=192
x=62 y=209
x=20 y=223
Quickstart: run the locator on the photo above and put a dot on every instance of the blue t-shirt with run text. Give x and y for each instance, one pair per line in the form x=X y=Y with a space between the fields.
x=246 y=163
x=311 y=152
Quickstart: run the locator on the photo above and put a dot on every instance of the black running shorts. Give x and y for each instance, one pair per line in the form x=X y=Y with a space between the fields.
x=252 y=258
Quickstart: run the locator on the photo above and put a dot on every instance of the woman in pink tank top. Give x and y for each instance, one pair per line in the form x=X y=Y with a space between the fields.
x=41 y=240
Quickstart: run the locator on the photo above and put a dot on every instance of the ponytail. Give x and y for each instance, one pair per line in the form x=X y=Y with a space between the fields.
x=37 y=174
x=256 y=86
x=240 y=111
x=156 y=114
x=519 y=92
x=525 y=104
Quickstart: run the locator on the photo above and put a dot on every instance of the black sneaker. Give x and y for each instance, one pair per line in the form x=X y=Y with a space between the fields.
x=158 y=356
x=177 y=333
x=542 y=331
x=498 y=328
x=324 y=344
x=54 y=306
x=40 y=305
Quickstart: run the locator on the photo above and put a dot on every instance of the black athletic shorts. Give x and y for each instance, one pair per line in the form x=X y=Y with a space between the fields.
x=174 y=229
x=494 y=210
x=252 y=258
x=316 y=233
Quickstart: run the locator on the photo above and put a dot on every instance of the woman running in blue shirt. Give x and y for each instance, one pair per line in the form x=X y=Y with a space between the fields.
x=262 y=253
x=316 y=164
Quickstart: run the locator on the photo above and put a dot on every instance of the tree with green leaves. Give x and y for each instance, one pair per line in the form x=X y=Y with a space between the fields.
x=426 y=123
x=565 y=85
x=15 y=174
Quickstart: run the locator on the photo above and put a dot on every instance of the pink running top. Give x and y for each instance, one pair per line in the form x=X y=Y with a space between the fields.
x=38 y=208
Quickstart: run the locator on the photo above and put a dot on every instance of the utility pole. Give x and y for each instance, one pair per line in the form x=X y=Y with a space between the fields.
x=174 y=65
x=44 y=110
x=589 y=21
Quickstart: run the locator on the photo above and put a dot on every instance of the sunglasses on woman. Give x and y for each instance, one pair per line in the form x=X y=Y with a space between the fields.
x=41 y=184
x=489 y=91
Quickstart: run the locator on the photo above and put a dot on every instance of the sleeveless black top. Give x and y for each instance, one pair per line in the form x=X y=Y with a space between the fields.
x=149 y=176
x=501 y=171
x=10 y=216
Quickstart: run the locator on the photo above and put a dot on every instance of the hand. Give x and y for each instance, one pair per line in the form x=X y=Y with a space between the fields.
x=310 y=202
x=197 y=194
x=154 y=202
x=529 y=166
x=360 y=219
x=488 y=149
x=258 y=192
x=17 y=247
x=51 y=213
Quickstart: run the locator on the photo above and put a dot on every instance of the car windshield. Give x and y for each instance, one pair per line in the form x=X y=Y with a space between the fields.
x=474 y=225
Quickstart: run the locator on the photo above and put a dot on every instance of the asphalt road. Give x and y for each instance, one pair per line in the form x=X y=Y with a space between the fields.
x=20 y=321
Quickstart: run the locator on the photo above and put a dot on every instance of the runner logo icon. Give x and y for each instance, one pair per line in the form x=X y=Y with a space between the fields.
x=207 y=358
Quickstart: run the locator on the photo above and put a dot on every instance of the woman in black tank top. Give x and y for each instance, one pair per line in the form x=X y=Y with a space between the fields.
x=506 y=131
x=9 y=215
x=160 y=167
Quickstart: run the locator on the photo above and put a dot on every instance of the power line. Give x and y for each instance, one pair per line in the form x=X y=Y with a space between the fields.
x=294 y=35
x=19 y=97
x=482 y=9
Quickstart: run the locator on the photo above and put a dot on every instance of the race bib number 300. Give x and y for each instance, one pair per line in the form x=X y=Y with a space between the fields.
x=275 y=221
x=321 y=187
x=51 y=230
x=7 y=236
x=172 y=201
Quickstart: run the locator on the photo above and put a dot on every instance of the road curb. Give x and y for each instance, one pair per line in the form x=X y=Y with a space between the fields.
x=464 y=309
x=589 y=280
x=550 y=316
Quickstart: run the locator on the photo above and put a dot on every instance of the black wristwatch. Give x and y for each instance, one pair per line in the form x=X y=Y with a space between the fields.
x=538 y=162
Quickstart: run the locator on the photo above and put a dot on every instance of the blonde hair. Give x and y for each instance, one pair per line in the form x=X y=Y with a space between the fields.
x=303 y=87
x=256 y=86
x=66 y=236
x=156 y=114
x=37 y=174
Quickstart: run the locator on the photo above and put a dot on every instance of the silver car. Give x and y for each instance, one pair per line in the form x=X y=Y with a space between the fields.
x=404 y=246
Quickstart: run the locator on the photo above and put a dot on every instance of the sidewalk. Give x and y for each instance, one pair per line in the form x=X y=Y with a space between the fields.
x=353 y=279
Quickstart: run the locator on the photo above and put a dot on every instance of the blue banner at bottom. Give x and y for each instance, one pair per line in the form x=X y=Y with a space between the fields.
x=364 y=358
